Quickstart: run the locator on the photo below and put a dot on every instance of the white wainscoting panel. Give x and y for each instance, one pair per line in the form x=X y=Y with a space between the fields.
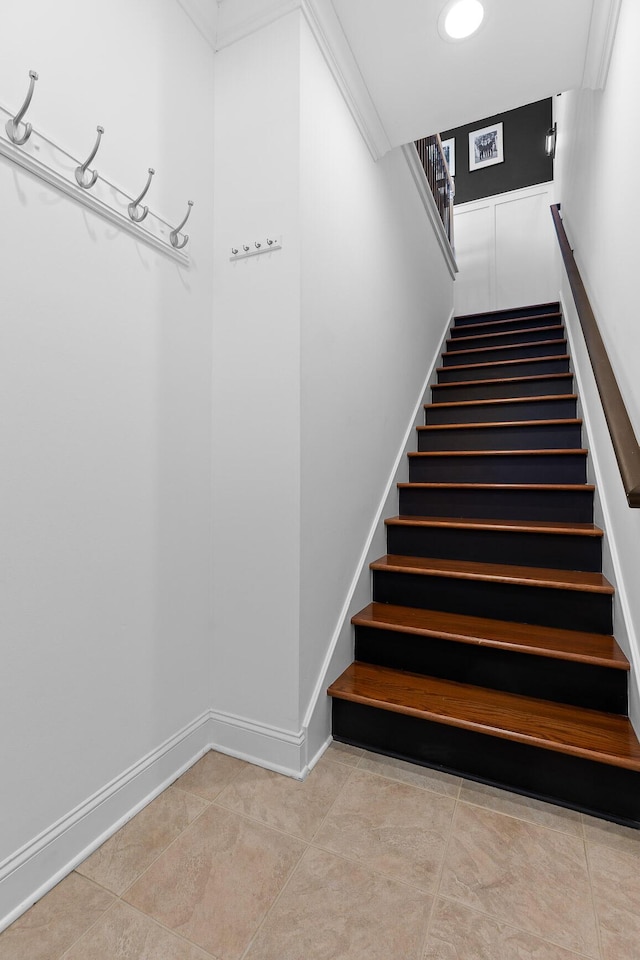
x=505 y=250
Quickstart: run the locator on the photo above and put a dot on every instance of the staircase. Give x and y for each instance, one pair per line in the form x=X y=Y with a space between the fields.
x=487 y=650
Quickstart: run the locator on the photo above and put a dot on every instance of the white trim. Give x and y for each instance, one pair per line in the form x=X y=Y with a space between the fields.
x=259 y=743
x=206 y=29
x=429 y=204
x=603 y=487
x=362 y=564
x=36 y=867
x=602 y=35
x=334 y=46
x=30 y=872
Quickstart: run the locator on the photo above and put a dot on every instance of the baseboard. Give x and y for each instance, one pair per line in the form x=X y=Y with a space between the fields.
x=33 y=870
x=259 y=743
x=30 y=872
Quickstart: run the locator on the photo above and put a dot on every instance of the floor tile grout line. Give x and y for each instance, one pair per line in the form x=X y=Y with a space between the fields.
x=163 y=851
x=163 y=926
x=438 y=884
x=594 y=906
x=373 y=870
x=89 y=928
x=271 y=907
x=513 y=926
x=533 y=823
x=407 y=783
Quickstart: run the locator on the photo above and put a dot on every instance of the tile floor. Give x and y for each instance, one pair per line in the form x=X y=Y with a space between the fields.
x=368 y=859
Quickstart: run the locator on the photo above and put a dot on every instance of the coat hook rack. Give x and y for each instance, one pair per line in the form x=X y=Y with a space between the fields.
x=138 y=215
x=81 y=171
x=268 y=245
x=27 y=148
x=173 y=236
x=17 y=131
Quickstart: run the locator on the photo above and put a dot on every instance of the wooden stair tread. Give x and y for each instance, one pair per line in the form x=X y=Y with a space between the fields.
x=507 y=346
x=485 y=323
x=578 y=580
x=532 y=306
x=476 y=383
x=457 y=485
x=500 y=400
x=553 y=451
x=576 y=421
x=499 y=363
x=601 y=737
x=511 y=526
x=505 y=333
x=556 y=643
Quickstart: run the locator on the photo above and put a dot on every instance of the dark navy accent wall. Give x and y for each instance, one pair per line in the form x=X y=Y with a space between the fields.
x=525 y=160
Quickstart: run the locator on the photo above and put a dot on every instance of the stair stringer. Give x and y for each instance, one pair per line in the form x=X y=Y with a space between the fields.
x=316 y=724
x=621 y=545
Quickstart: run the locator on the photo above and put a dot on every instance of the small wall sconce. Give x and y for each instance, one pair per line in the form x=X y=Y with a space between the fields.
x=550 y=141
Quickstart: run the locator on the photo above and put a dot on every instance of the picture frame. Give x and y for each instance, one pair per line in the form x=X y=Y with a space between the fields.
x=449 y=150
x=486 y=147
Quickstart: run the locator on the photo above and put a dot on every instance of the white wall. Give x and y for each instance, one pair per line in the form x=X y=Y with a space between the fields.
x=105 y=379
x=376 y=295
x=256 y=383
x=506 y=250
x=598 y=145
x=320 y=355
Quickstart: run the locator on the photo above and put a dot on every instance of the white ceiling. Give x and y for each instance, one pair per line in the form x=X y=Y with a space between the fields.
x=402 y=80
x=526 y=50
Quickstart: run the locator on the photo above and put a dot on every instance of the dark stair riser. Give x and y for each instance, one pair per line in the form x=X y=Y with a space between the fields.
x=502 y=390
x=507 y=468
x=539 y=436
x=517 y=351
x=602 y=790
x=489 y=327
x=557 y=551
x=504 y=338
x=547 y=678
x=562 y=409
x=572 y=506
x=512 y=368
x=546 y=606
x=538 y=310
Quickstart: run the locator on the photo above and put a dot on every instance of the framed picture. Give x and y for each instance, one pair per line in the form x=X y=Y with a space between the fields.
x=485 y=147
x=449 y=150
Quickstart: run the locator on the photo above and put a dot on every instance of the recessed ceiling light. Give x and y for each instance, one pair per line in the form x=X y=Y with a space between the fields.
x=460 y=19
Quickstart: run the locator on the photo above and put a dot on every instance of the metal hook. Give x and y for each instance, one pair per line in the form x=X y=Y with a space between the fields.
x=234 y=250
x=135 y=215
x=257 y=245
x=12 y=126
x=269 y=242
x=245 y=248
x=173 y=236
x=82 y=169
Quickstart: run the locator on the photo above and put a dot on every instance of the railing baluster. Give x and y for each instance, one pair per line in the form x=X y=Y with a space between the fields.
x=440 y=183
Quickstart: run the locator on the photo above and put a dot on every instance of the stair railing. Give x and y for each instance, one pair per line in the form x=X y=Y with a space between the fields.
x=442 y=186
x=625 y=443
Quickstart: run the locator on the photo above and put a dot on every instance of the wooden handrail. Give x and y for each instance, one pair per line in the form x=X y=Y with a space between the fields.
x=625 y=443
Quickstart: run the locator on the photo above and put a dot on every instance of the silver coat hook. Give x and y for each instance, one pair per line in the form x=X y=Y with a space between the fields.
x=234 y=250
x=14 y=125
x=245 y=248
x=81 y=171
x=258 y=245
x=138 y=215
x=173 y=236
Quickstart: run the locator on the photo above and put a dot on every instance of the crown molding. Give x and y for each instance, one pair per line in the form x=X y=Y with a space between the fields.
x=204 y=25
x=241 y=18
x=602 y=34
